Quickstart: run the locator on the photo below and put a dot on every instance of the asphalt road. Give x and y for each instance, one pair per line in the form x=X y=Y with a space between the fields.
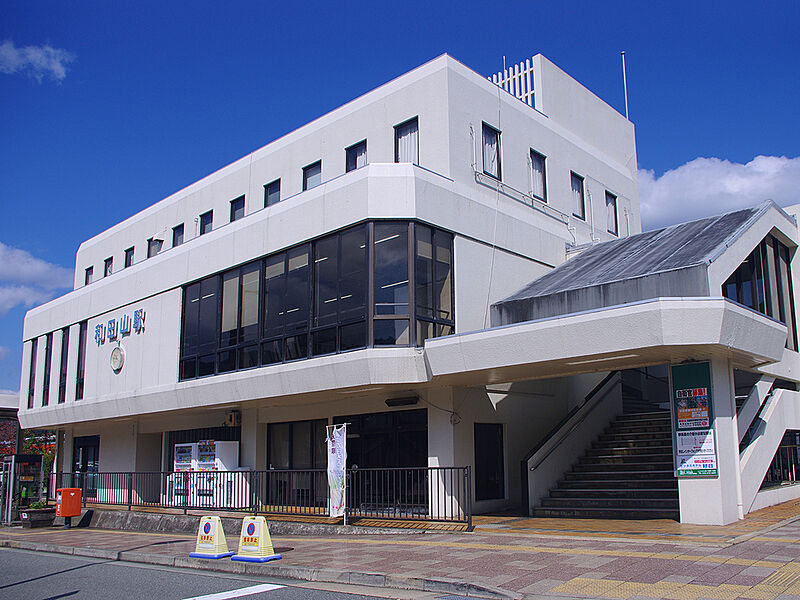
x=40 y=576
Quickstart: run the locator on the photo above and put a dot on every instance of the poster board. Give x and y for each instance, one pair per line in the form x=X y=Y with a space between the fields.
x=694 y=447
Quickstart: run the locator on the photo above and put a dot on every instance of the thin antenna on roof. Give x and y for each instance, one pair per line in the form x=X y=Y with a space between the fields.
x=625 y=83
x=504 y=62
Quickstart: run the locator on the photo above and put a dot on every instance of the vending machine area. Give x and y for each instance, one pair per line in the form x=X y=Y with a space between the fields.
x=207 y=474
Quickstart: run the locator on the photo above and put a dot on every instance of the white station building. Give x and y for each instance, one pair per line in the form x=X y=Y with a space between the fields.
x=455 y=267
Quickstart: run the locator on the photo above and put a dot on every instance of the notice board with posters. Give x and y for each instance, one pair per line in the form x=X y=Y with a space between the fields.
x=693 y=420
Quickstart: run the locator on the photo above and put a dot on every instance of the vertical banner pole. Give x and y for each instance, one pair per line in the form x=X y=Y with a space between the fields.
x=337 y=470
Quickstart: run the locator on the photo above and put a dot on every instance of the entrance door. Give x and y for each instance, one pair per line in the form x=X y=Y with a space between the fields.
x=489 y=463
x=85 y=460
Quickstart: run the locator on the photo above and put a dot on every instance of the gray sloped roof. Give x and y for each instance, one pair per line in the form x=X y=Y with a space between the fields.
x=676 y=247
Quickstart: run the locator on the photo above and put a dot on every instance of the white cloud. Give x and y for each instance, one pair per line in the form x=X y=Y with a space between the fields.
x=4 y=351
x=27 y=296
x=21 y=267
x=709 y=186
x=27 y=281
x=36 y=61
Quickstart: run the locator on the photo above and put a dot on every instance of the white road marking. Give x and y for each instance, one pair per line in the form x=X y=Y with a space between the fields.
x=248 y=591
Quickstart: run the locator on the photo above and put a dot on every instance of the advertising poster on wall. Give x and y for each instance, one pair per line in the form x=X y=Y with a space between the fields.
x=695 y=448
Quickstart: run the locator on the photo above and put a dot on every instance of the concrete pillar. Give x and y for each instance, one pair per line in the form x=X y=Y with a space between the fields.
x=441 y=443
x=445 y=491
x=253 y=447
x=717 y=501
x=66 y=461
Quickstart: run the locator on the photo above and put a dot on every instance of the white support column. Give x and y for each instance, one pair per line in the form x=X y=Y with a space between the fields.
x=253 y=448
x=443 y=491
x=716 y=501
x=66 y=461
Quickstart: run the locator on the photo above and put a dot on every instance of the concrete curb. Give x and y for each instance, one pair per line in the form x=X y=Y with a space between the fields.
x=173 y=523
x=274 y=569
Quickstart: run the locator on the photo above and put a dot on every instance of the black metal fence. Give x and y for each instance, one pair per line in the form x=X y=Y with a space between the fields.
x=785 y=466
x=424 y=493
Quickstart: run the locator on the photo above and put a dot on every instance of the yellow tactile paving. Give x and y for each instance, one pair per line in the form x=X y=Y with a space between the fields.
x=610 y=588
x=651 y=529
x=785 y=576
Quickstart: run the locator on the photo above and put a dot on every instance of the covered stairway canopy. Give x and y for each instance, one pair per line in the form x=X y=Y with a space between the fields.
x=651 y=298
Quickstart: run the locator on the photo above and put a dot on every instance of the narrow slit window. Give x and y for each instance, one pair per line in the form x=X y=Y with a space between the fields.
x=578 y=203
x=491 y=151
x=538 y=176
x=611 y=213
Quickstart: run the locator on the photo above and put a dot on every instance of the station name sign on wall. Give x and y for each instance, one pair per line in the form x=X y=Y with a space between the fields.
x=695 y=448
x=116 y=329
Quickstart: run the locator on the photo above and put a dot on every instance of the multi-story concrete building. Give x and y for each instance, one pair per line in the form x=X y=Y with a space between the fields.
x=347 y=272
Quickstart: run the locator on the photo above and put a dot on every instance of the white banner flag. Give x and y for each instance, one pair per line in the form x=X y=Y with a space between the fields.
x=337 y=460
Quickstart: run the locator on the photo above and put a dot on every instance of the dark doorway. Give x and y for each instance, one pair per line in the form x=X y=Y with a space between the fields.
x=489 y=463
x=86 y=461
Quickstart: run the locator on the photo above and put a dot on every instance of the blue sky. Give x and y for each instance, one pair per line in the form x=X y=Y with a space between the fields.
x=107 y=107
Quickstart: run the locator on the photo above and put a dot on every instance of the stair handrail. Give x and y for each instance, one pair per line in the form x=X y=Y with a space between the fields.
x=747 y=424
x=561 y=430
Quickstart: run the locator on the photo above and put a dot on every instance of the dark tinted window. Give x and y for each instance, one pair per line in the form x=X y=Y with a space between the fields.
x=272 y=193
x=206 y=222
x=237 y=208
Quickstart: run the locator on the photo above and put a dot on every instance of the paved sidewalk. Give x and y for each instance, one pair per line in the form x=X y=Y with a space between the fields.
x=757 y=558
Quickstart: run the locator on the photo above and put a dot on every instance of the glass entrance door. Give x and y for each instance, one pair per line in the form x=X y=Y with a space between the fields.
x=85 y=462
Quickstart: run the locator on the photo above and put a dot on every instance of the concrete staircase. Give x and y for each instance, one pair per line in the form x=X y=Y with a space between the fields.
x=627 y=474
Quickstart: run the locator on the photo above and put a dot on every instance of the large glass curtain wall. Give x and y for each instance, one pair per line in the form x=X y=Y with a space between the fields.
x=763 y=282
x=346 y=291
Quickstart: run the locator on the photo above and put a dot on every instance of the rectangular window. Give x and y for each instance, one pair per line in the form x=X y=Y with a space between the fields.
x=81 y=360
x=339 y=292
x=611 y=213
x=406 y=142
x=108 y=266
x=312 y=175
x=356 y=156
x=538 y=176
x=578 y=204
x=433 y=277
x=200 y=329
x=491 y=151
x=32 y=373
x=237 y=208
x=87 y=275
x=230 y=309
x=154 y=247
x=272 y=193
x=48 y=357
x=62 y=371
x=297 y=445
x=391 y=290
x=314 y=299
x=177 y=235
x=206 y=222
x=128 y=257
x=763 y=282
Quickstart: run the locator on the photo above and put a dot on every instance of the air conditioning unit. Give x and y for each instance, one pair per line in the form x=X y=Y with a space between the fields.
x=233 y=418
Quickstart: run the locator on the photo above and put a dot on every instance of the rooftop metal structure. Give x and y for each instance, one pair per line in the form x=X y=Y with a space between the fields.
x=668 y=262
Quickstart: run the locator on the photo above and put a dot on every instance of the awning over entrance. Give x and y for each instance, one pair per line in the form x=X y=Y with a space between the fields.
x=657 y=331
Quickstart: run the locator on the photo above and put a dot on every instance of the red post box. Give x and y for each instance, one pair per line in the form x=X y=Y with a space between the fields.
x=68 y=502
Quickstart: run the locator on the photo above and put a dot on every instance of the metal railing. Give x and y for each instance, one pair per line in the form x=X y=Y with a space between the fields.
x=423 y=493
x=517 y=80
x=785 y=466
